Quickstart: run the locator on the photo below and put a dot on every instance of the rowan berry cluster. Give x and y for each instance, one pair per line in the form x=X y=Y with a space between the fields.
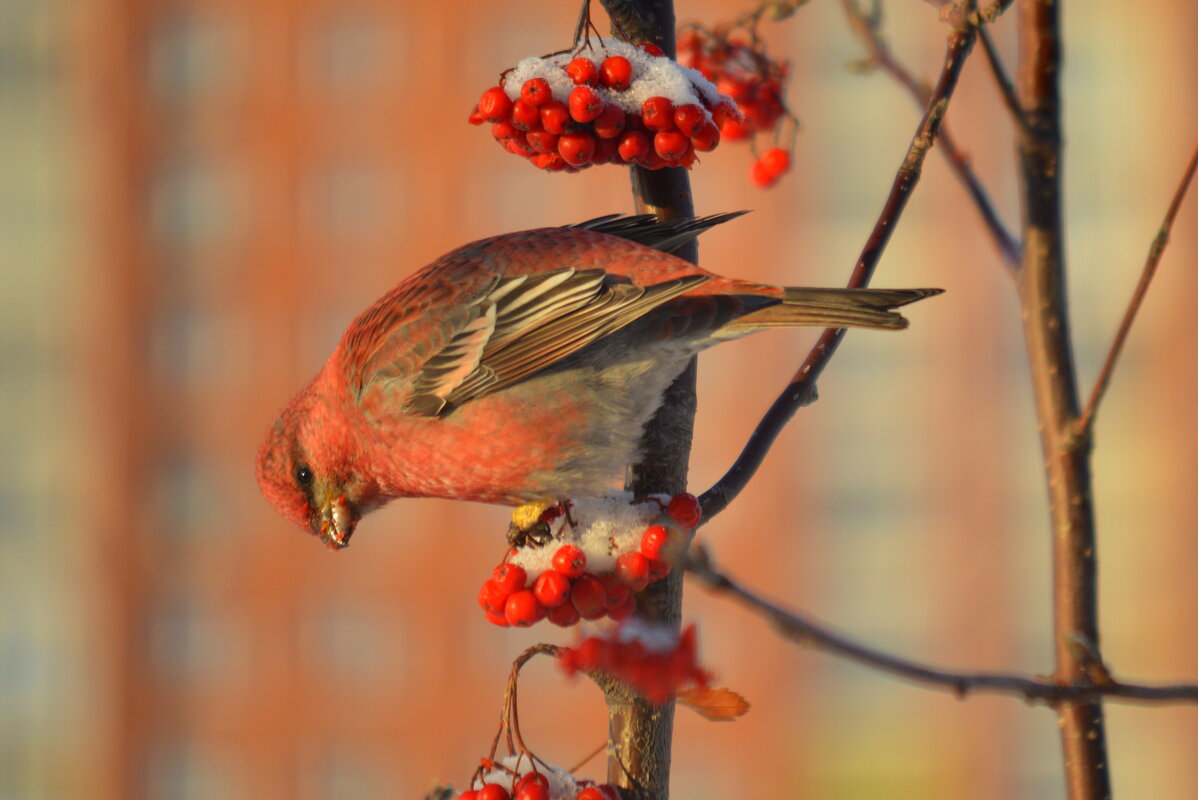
x=655 y=661
x=611 y=103
x=741 y=69
x=537 y=781
x=604 y=552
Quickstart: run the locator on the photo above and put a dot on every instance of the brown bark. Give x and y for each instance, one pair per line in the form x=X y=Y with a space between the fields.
x=640 y=733
x=1050 y=357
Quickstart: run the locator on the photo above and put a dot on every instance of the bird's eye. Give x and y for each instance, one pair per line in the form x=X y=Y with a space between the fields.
x=303 y=476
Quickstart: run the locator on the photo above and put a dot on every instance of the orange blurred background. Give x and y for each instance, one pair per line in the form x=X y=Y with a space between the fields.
x=196 y=197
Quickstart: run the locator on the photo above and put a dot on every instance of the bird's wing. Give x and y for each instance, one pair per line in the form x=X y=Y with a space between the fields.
x=515 y=327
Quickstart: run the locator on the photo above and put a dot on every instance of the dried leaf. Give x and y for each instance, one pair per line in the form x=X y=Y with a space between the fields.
x=717 y=705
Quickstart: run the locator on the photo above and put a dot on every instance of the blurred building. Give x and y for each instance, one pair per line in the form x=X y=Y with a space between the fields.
x=196 y=197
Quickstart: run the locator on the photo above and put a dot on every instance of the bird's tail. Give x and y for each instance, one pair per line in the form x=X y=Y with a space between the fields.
x=833 y=308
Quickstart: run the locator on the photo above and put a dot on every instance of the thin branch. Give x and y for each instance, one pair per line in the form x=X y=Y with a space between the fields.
x=881 y=56
x=1043 y=690
x=801 y=388
x=1006 y=89
x=1084 y=423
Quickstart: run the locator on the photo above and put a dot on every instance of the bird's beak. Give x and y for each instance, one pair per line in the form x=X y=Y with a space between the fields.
x=336 y=522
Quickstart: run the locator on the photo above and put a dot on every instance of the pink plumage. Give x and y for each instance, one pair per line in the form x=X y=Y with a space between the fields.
x=520 y=368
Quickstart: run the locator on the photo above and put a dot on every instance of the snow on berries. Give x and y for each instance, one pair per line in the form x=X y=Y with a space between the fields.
x=522 y=777
x=606 y=102
x=655 y=660
x=737 y=63
x=604 y=551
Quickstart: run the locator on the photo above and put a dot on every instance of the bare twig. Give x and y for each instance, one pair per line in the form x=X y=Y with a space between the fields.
x=1044 y=690
x=801 y=388
x=881 y=56
x=1054 y=384
x=1084 y=423
x=1006 y=89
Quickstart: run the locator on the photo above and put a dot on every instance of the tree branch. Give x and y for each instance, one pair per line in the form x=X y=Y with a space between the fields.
x=801 y=388
x=640 y=733
x=1048 y=691
x=1054 y=384
x=881 y=56
x=1006 y=89
x=1085 y=423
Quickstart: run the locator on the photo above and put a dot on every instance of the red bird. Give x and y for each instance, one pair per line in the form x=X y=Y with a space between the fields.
x=521 y=368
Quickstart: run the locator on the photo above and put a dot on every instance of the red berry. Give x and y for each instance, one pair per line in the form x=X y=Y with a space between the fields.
x=536 y=91
x=686 y=160
x=576 y=148
x=590 y=793
x=476 y=117
x=610 y=123
x=706 y=140
x=550 y=162
x=633 y=145
x=525 y=116
x=651 y=160
x=522 y=609
x=532 y=779
x=552 y=588
x=759 y=116
x=533 y=792
x=491 y=597
x=671 y=145
x=684 y=509
x=625 y=609
x=505 y=130
x=470 y=795
x=689 y=118
x=493 y=791
x=615 y=591
x=633 y=569
x=654 y=541
x=555 y=117
x=761 y=176
x=658 y=569
x=734 y=131
x=587 y=595
x=651 y=49
x=616 y=72
x=563 y=616
x=658 y=114
x=726 y=112
x=542 y=141
x=510 y=577
x=494 y=105
x=497 y=618
x=584 y=104
x=582 y=71
x=570 y=561
x=605 y=151
x=518 y=146
x=776 y=161
x=732 y=87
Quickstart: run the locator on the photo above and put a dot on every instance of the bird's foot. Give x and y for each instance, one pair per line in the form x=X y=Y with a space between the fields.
x=530 y=523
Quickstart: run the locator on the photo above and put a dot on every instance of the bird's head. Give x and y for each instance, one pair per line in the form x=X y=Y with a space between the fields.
x=305 y=470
